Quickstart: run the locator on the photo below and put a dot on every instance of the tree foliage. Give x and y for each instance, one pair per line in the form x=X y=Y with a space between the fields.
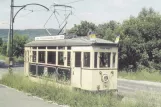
x=83 y=28
x=1 y=42
x=18 y=44
x=140 y=42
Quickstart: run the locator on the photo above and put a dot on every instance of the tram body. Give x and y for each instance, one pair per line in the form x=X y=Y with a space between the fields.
x=88 y=64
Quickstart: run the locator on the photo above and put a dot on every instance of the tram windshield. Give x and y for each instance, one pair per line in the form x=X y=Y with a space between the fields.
x=105 y=59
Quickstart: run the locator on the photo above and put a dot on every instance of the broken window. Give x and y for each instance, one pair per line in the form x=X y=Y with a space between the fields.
x=105 y=59
x=33 y=69
x=52 y=72
x=40 y=70
x=114 y=60
x=86 y=59
x=95 y=60
x=77 y=59
x=68 y=59
x=41 y=57
x=34 y=56
x=51 y=57
x=60 y=58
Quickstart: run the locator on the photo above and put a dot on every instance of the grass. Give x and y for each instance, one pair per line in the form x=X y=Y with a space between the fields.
x=141 y=75
x=65 y=96
x=2 y=57
x=17 y=60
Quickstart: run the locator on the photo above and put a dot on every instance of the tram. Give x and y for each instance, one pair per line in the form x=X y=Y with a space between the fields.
x=88 y=63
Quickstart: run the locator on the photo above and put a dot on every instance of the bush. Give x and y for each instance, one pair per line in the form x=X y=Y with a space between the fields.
x=19 y=60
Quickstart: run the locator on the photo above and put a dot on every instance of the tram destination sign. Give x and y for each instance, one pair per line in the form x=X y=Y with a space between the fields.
x=57 y=37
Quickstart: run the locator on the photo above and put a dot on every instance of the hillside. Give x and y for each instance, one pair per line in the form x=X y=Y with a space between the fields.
x=29 y=32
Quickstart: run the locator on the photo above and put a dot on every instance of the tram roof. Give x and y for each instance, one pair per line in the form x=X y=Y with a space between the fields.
x=79 y=41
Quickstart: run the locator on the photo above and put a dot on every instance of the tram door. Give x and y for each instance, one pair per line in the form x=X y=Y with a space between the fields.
x=76 y=69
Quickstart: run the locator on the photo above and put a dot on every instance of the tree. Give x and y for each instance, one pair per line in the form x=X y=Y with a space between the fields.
x=140 y=43
x=3 y=50
x=109 y=30
x=83 y=28
x=140 y=38
x=1 y=42
x=18 y=44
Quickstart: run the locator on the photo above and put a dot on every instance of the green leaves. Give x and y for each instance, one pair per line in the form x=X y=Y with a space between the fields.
x=139 y=37
x=18 y=45
x=83 y=28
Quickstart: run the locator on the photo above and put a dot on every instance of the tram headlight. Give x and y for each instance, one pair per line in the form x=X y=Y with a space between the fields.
x=105 y=78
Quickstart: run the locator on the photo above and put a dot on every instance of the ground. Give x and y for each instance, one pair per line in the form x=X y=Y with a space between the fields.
x=11 y=98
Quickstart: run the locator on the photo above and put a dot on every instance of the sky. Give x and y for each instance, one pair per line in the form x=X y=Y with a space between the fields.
x=96 y=11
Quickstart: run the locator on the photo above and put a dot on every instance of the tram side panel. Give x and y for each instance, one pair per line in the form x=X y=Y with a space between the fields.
x=87 y=80
x=95 y=80
x=104 y=80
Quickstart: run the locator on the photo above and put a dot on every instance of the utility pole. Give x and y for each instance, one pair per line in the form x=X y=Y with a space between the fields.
x=11 y=31
x=10 y=37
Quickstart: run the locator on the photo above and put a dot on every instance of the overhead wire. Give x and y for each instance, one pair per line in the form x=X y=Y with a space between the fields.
x=47 y=22
x=31 y=11
x=55 y=13
x=73 y=2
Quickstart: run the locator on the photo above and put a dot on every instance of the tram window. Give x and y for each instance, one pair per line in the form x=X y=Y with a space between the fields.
x=42 y=47
x=86 y=59
x=60 y=58
x=51 y=71
x=114 y=60
x=61 y=48
x=68 y=59
x=33 y=69
x=69 y=48
x=77 y=59
x=105 y=59
x=95 y=60
x=34 y=47
x=52 y=57
x=40 y=70
x=51 y=47
x=41 y=57
x=34 y=56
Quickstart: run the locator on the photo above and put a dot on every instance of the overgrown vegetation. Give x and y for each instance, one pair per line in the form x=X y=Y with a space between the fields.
x=18 y=48
x=64 y=96
x=2 y=57
x=141 y=75
x=140 y=36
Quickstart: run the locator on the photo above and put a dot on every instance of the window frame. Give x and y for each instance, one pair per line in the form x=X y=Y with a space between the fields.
x=109 y=59
x=52 y=57
x=43 y=58
x=89 y=60
x=63 y=58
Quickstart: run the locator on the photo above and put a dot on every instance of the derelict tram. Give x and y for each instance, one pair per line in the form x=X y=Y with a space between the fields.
x=89 y=64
